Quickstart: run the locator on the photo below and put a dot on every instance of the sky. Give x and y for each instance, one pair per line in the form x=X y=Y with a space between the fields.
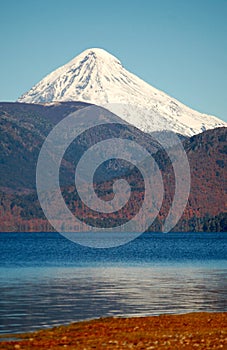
x=178 y=46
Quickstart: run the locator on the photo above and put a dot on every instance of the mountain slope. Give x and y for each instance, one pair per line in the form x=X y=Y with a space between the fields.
x=23 y=129
x=95 y=76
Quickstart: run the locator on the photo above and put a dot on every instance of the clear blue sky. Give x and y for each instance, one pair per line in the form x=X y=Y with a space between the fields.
x=178 y=46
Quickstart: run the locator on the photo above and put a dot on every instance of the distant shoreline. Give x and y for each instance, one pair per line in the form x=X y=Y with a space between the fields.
x=202 y=330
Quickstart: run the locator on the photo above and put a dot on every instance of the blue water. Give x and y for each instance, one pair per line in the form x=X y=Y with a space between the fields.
x=46 y=280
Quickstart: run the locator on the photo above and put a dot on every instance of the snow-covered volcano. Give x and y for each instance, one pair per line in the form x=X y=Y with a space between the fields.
x=95 y=76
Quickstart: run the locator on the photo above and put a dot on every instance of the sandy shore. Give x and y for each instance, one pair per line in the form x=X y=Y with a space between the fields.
x=188 y=331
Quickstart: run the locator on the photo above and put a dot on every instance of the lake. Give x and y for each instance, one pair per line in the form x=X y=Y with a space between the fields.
x=47 y=280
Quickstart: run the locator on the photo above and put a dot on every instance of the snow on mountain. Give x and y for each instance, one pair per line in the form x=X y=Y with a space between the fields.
x=97 y=77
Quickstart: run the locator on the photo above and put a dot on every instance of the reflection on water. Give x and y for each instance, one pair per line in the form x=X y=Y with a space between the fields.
x=56 y=296
x=47 y=280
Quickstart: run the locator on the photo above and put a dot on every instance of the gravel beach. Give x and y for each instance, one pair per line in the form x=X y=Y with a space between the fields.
x=187 y=331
